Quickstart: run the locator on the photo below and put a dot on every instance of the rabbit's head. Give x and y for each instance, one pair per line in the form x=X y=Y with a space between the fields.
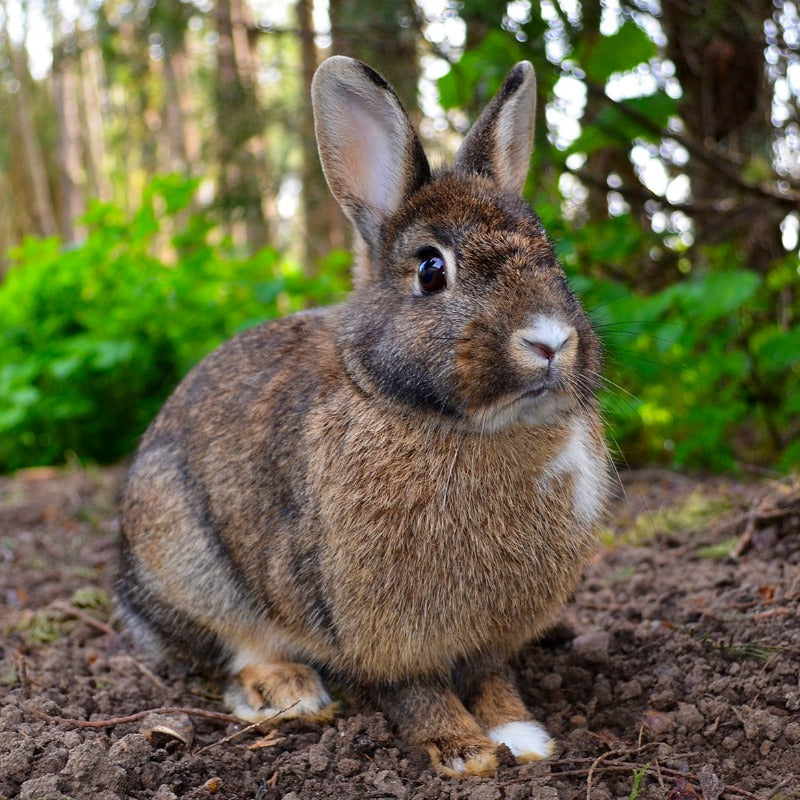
x=460 y=307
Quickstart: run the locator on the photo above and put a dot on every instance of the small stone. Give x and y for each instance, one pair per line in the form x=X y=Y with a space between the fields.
x=44 y=788
x=629 y=690
x=766 y=746
x=792 y=732
x=688 y=716
x=657 y=723
x=710 y=784
x=592 y=646
x=348 y=767
x=318 y=759
x=388 y=783
x=730 y=743
x=551 y=682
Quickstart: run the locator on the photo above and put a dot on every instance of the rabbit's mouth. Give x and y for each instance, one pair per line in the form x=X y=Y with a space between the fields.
x=537 y=391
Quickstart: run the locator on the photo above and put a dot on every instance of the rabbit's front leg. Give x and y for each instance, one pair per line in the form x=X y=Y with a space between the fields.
x=490 y=692
x=272 y=691
x=427 y=712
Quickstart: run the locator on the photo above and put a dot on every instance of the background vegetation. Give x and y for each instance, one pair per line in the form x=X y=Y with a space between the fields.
x=160 y=189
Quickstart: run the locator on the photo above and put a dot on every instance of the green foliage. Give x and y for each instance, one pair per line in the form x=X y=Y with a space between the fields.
x=602 y=56
x=612 y=126
x=638 y=777
x=695 y=375
x=94 y=337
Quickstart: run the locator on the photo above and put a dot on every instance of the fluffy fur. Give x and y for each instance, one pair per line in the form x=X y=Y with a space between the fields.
x=401 y=488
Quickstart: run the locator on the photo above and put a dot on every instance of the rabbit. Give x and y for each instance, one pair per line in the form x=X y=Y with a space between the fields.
x=401 y=490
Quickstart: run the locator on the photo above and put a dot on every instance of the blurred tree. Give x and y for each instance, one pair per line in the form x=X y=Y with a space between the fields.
x=26 y=137
x=72 y=195
x=324 y=221
x=383 y=33
x=239 y=130
x=718 y=51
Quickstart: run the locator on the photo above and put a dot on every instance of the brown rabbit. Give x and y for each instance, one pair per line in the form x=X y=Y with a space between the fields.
x=400 y=489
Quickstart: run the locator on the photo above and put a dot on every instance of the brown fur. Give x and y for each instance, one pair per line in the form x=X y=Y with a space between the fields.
x=355 y=487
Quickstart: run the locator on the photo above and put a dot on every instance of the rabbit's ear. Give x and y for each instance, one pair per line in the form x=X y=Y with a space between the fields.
x=371 y=156
x=500 y=142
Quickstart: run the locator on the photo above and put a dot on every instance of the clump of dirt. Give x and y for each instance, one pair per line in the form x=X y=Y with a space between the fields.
x=674 y=674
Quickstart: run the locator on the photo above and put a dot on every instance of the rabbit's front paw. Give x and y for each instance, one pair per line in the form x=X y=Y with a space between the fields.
x=459 y=758
x=276 y=691
x=527 y=740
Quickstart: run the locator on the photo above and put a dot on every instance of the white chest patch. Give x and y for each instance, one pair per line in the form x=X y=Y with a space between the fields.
x=586 y=467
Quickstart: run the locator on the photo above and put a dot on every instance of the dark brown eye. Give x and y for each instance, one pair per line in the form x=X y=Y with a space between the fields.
x=432 y=275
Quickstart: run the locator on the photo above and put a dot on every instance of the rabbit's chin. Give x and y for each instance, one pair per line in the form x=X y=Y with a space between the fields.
x=535 y=407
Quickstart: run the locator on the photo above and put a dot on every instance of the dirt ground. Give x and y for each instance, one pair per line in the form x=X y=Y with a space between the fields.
x=675 y=673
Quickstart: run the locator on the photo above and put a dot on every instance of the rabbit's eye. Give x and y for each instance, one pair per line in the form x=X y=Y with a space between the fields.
x=432 y=275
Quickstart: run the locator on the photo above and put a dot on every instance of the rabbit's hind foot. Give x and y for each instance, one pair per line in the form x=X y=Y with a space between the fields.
x=459 y=758
x=500 y=711
x=278 y=690
x=527 y=740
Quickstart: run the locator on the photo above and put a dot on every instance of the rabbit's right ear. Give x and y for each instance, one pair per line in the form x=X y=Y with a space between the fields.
x=370 y=154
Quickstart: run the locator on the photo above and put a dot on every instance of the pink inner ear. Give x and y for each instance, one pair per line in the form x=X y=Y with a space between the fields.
x=371 y=153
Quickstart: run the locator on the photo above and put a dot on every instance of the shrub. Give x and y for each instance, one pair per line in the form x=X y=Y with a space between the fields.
x=94 y=337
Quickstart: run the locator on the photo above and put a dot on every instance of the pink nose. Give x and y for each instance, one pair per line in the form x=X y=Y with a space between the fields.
x=542 y=349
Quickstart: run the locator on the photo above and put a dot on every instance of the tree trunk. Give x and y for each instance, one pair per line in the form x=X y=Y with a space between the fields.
x=188 y=109
x=91 y=72
x=173 y=130
x=239 y=136
x=65 y=99
x=384 y=34
x=324 y=222
x=718 y=52
x=44 y=217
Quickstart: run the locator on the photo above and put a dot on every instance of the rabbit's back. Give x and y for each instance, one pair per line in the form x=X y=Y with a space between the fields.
x=215 y=513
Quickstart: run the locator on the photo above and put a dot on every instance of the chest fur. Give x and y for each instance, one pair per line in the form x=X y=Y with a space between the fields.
x=440 y=545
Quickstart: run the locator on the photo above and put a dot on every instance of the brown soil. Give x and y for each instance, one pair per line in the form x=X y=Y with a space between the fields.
x=675 y=658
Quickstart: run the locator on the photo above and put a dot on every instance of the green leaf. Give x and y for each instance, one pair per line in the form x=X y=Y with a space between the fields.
x=612 y=126
x=480 y=71
x=776 y=350
x=620 y=52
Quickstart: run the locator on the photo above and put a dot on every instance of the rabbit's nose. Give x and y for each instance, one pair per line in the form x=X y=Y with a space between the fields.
x=541 y=349
x=546 y=336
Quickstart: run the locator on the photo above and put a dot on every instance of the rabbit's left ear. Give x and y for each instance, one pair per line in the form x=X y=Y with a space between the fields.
x=500 y=143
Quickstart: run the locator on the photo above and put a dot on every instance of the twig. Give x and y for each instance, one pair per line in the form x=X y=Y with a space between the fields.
x=22 y=674
x=746 y=538
x=93 y=622
x=624 y=766
x=658 y=774
x=594 y=766
x=246 y=729
x=107 y=723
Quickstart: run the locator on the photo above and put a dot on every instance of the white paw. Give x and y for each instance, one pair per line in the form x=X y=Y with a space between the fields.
x=458 y=765
x=307 y=706
x=526 y=740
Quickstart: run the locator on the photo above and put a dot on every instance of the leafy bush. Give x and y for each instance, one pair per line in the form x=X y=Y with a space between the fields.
x=698 y=374
x=94 y=338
